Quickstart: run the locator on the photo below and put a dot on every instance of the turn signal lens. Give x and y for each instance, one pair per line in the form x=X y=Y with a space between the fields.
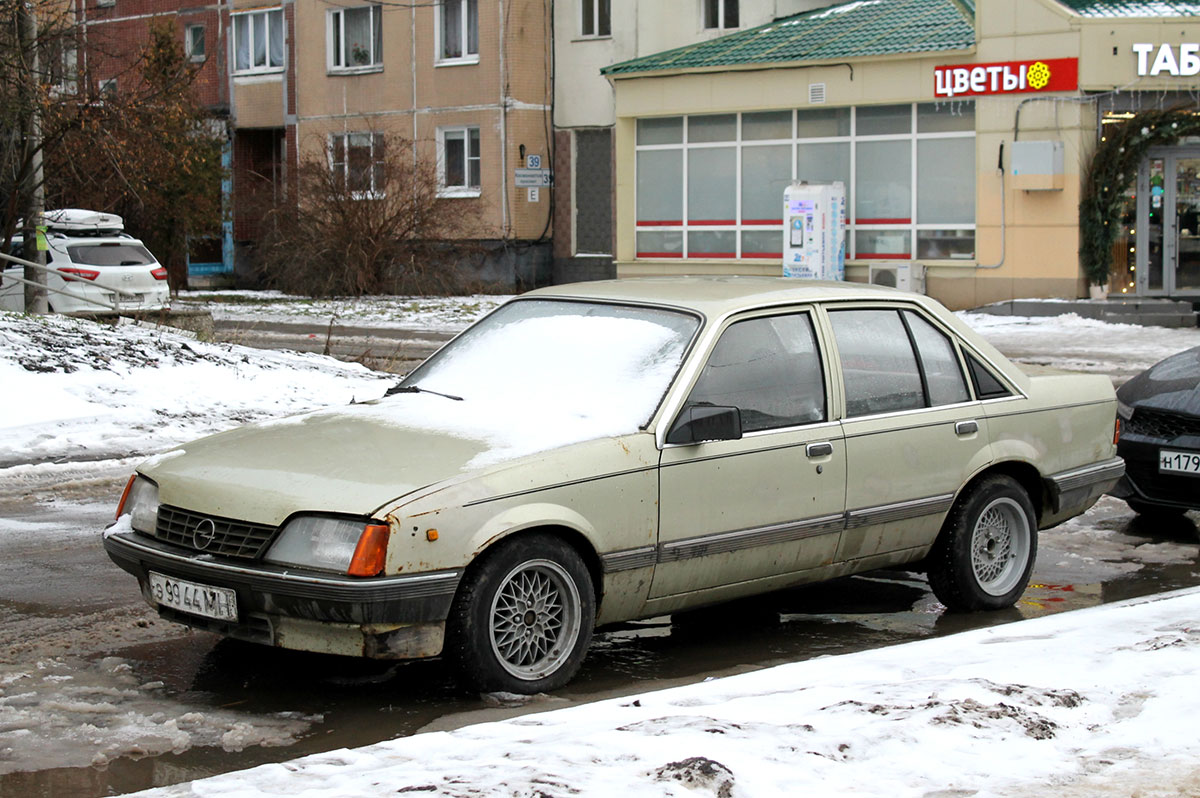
x=124 y=497
x=371 y=552
x=1117 y=432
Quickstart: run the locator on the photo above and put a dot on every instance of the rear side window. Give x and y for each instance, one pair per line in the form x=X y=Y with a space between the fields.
x=769 y=369
x=110 y=254
x=895 y=360
x=986 y=384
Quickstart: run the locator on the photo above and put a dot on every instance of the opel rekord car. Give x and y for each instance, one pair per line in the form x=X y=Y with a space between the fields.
x=1160 y=436
x=99 y=268
x=594 y=453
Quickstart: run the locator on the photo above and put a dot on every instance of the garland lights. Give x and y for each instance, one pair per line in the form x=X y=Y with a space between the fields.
x=1113 y=169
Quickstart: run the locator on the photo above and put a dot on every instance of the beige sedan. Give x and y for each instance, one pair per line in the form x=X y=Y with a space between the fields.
x=594 y=453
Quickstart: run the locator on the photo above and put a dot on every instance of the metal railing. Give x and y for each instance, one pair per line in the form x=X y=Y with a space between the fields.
x=114 y=306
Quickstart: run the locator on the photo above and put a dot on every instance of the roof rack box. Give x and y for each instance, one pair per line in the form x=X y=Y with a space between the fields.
x=77 y=220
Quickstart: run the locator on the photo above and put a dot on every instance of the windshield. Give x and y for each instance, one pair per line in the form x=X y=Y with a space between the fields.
x=597 y=369
x=110 y=254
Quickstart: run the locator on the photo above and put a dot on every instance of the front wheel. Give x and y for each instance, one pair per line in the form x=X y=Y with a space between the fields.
x=523 y=619
x=985 y=553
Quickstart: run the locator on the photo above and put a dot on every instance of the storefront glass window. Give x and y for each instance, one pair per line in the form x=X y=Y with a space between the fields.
x=712 y=181
x=719 y=127
x=667 y=130
x=766 y=173
x=946 y=117
x=767 y=125
x=711 y=186
x=943 y=196
x=883 y=194
x=883 y=120
x=823 y=123
x=660 y=186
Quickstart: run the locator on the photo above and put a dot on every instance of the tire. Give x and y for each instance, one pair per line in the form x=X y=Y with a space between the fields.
x=985 y=553
x=523 y=619
x=1152 y=510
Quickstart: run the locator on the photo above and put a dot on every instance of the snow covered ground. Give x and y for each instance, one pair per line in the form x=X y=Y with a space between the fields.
x=1093 y=702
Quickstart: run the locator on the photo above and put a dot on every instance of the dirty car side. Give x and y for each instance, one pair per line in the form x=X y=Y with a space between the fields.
x=595 y=453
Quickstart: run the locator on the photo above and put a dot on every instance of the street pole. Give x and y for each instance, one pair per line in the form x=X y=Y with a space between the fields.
x=36 y=296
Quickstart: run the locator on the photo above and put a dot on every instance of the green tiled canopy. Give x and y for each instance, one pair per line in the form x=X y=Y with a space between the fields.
x=835 y=33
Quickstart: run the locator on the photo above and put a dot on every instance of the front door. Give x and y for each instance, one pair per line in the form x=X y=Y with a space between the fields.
x=1168 y=252
x=771 y=503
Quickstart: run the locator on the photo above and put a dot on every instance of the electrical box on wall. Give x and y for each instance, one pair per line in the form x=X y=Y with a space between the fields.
x=1037 y=165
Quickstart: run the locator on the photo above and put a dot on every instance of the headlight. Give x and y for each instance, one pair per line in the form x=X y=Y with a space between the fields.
x=140 y=502
x=1124 y=410
x=340 y=545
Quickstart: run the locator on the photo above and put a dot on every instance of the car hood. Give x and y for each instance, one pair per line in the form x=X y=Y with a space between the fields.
x=353 y=460
x=1172 y=385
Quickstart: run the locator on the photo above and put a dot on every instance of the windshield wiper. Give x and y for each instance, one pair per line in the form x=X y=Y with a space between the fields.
x=418 y=389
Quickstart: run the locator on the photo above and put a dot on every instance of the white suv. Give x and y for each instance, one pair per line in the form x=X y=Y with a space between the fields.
x=111 y=271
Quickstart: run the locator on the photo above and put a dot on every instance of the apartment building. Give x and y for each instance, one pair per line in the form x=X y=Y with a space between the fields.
x=467 y=81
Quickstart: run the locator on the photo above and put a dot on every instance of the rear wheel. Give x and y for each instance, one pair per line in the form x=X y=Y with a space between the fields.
x=523 y=620
x=985 y=553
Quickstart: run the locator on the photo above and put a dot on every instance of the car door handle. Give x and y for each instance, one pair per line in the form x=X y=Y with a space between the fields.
x=966 y=427
x=819 y=449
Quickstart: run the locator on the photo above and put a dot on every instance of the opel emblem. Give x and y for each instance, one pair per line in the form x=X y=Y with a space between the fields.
x=204 y=534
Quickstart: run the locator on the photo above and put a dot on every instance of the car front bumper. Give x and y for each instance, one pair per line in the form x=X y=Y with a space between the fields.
x=390 y=617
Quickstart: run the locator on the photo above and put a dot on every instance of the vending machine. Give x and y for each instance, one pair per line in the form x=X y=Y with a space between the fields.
x=814 y=232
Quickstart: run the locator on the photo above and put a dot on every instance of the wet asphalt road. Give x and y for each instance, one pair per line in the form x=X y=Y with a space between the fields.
x=79 y=644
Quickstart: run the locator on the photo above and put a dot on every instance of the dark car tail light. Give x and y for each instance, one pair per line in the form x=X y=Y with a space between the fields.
x=86 y=274
x=159 y=274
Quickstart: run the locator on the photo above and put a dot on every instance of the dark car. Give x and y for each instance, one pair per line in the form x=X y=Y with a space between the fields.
x=1160 y=436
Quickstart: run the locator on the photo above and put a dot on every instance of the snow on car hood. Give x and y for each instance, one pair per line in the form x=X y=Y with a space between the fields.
x=583 y=379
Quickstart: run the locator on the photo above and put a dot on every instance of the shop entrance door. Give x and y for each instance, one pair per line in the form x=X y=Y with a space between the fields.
x=1168 y=239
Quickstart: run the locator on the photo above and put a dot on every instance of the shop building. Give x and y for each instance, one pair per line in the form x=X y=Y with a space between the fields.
x=964 y=134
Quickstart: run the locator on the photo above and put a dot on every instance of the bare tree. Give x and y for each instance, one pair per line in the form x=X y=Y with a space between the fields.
x=366 y=218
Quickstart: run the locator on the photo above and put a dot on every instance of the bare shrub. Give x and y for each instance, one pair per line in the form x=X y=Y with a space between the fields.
x=361 y=225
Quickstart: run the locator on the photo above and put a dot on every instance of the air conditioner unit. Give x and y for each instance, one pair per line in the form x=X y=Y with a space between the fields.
x=903 y=275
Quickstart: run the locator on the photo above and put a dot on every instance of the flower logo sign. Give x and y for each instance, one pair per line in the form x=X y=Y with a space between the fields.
x=1006 y=77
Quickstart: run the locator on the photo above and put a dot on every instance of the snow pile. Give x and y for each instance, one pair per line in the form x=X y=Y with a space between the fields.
x=1098 y=701
x=80 y=717
x=81 y=390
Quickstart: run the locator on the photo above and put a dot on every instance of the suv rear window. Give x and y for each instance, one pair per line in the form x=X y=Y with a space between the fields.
x=110 y=254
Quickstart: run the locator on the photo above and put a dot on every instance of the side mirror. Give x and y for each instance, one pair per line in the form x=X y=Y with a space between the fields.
x=699 y=423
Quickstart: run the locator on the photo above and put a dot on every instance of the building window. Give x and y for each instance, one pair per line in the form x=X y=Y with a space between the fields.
x=357 y=161
x=720 y=14
x=107 y=88
x=458 y=161
x=258 y=41
x=712 y=186
x=356 y=38
x=62 y=64
x=595 y=18
x=194 y=42
x=458 y=30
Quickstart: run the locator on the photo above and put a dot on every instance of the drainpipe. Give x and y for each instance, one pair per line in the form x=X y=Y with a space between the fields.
x=503 y=132
x=1003 y=226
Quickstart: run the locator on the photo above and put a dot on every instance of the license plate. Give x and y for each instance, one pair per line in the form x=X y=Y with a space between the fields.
x=197 y=599
x=1179 y=462
x=129 y=299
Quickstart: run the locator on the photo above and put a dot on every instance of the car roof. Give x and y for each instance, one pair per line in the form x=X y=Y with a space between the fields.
x=716 y=296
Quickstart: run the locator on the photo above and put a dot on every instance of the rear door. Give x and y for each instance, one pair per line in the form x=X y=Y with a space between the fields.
x=771 y=503
x=914 y=434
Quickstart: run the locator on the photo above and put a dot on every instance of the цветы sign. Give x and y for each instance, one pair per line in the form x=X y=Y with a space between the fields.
x=1006 y=77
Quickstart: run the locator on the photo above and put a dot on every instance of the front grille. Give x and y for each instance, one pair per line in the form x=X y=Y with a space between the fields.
x=229 y=538
x=1159 y=424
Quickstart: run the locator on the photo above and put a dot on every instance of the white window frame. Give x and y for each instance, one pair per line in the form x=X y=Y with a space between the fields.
x=465 y=190
x=467 y=57
x=335 y=24
x=189 y=43
x=597 y=17
x=255 y=18
x=912 y=228
x=377 y=140
x=720 y=7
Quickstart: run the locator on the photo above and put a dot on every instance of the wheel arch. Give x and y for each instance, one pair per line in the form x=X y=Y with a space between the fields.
x=1024 y=474
x=573 y=537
